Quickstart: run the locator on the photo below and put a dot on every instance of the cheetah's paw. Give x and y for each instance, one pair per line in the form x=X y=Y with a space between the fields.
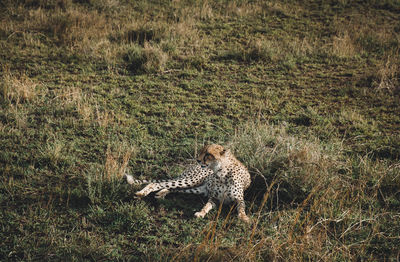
x=199 y=214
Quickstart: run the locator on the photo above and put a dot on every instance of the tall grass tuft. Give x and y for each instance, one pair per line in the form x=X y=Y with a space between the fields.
x=105 y=181
x=17 y=88
x=389 y=74
x=343 y=45
x=271 y=151
x=149 y=58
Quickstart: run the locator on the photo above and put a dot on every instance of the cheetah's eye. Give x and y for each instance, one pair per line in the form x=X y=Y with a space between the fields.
x=209 y=157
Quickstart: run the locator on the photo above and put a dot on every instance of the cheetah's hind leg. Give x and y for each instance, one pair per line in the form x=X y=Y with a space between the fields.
x=162 y=193
x=148 y=189
x=199 y=190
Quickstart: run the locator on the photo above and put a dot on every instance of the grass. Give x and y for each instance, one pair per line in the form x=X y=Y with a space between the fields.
x=305 y=93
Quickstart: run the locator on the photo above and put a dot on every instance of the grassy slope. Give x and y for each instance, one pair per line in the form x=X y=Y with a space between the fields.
x=306 y=94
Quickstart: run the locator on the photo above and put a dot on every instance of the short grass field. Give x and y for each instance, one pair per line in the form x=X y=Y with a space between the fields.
x=305 y=93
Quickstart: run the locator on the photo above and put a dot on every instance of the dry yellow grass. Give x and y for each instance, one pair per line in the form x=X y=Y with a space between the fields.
x=116 y=160
x=89 y=111
x=283 y=50
x=343 y=45
x=388 y=74
x=156 y=59
x=18 y=88
x=354 y=117
x=103 y=117
x=54 y=149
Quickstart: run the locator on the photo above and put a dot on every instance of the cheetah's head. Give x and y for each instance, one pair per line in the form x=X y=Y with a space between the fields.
x=211 y=156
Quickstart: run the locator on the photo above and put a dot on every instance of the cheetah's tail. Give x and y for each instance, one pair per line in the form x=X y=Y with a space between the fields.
x=132 y=181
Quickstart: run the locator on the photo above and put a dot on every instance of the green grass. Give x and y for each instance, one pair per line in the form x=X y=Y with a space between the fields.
x=306 y=94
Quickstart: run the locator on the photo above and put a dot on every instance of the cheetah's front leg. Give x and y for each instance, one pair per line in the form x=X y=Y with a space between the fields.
x=207 y=207
x=241 y=211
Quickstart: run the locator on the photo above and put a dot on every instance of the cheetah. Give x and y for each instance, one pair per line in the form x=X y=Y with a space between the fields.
x=218 y=176
x=228 y=182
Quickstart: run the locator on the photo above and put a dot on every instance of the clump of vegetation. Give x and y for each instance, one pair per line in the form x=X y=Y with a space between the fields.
x=17 y=89
x=149 y=58
x=389 y=75
x=304 y=92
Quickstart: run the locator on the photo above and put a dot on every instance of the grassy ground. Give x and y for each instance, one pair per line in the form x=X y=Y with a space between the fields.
x=306 y=93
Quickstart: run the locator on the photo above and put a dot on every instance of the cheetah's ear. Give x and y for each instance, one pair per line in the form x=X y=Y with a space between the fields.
x=223 y=152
